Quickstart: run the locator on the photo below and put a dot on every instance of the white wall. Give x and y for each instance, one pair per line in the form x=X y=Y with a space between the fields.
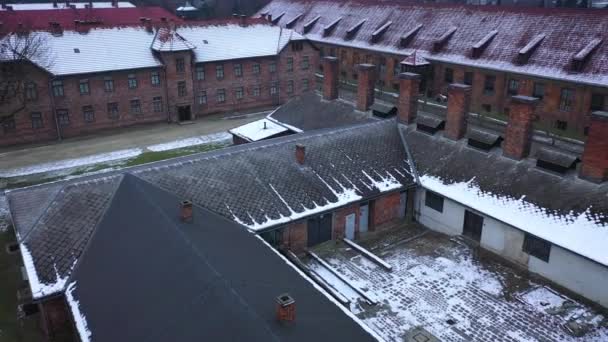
x=565 y=268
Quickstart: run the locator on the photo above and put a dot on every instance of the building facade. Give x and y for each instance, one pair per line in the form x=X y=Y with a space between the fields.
x=161 y=76
x=500 y=51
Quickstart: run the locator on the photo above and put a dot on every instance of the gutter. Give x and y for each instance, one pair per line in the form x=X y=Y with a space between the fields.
x=54 y=109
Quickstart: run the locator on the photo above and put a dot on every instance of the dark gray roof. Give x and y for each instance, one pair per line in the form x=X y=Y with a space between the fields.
x=454 y=162
x=309 y=111
x=256 y=181
x=147 y=276
x=556 y=157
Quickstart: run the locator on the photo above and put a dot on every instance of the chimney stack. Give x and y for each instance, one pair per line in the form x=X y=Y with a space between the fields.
x=407 y=105
x=286 y=308
x=518 y=135
x=365 y=88
x=185 y=212
x=300 y=153
x=54 y=3
x=459 y=104
x=330 y=78
x=595 y=155
x=243 y=20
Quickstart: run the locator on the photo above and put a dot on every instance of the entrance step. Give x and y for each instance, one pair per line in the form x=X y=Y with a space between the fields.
x=187 y=122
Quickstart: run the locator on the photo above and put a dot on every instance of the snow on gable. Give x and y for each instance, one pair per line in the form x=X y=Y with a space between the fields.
x=578 y=233
x=167 y=40
x=40 y=289
x=232 y=41
x=258 y=130
x=79 y=318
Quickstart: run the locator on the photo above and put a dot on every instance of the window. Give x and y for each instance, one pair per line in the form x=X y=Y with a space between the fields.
x=200 y=73
x=561 y=125
x=221 y=95
x=135 y=107
x=537 y=247
x=356 y=58
x=566 y=99
x=448 y=75
x=57 y=88
x=274 y=89
x=155 y=78
x=539 y=90
x=343 y=56
x=396 y=67
x=305 y=62
x=181 y=89
x=31 y=93
x=597 y=102
x=272 y=67
x=84 y=87
x=488 y=84
x=113 y=110
x=219 y=72
x=9 y=125
x=157 y=104
x=256 y=91
x=297 y=46
x=238 y=93
x=36 y=118
x=290 y=87
x=382 y=67
x=202 y=97
x=132 y=81
x=289 y=64
x=513 y=87
x=108 y=85
x=305 y=85
x=180 y=65
x=332 y=52
x=322 y=51
x=88 y=114
x=256 y=68
x=434 y=201
x=62 y=117
x=238 y=70
x=468 y=78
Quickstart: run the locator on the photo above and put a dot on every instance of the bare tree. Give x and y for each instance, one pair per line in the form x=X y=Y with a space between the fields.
x=19 y=52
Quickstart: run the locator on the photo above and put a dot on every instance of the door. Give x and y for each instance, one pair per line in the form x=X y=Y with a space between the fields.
x=350 y=227
x=364 y=218
x=402 y=204
x=473 y=224
x=319 y=229
x=183 y=113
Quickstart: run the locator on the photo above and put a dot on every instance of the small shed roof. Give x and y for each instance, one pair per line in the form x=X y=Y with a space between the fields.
x=258 y=130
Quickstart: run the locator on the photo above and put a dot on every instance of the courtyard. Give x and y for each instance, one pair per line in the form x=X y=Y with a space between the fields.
x=445 y=288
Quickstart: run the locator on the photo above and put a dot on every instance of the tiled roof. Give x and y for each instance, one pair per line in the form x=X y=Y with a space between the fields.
x=258 y=184
x=169 y=40
x=566 y=33
x=64 y=5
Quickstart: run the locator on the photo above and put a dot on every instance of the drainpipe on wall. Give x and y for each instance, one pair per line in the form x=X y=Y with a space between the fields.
x=166 y=86
x=54 y=109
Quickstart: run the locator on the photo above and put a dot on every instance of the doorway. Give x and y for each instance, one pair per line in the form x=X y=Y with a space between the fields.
x=473 y=225
x=319 y=229
x=184 y=113
x=350 y=226
x=364 y=218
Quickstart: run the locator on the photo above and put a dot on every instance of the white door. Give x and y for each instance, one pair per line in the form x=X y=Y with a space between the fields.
x=350 y=226
x=363 y=218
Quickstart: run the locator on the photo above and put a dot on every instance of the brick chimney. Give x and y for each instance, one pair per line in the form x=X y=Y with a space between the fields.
x=286 y=308
x=300 y=154
x=518 y=135
x=365 y=89
x=330 y=78
x=407 y=105
x=595 y=155
x=459 y=104
x=185 y=211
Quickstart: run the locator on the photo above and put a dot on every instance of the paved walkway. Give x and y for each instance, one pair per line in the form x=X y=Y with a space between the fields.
x=125 y=138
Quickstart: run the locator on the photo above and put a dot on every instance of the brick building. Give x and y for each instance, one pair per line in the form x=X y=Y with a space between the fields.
x=104 y=77
x=554 y=54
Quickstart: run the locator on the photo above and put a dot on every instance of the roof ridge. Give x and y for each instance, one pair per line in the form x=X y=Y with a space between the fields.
x=35 y=223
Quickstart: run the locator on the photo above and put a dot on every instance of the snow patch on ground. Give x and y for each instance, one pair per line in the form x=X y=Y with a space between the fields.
x=70 y=163
x=40 y=289
x=580 y=233
x=203 y=139
x=543 y=299
x=79 y=318
x=5 y=219
x=337 y=284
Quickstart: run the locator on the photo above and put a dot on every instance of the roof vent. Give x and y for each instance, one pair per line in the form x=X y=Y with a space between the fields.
x=76 y=50
x=286 y=308
x=308 y=26
x=300 y=154
x=408 y=36
x=185 y=212
x=578 y=61
x=327 y=30
x=555 y=161
x=482 y=139
x=293 y=21
x=351 y=32
x=524 y=54
x=440 y=42
x=481 y=45
x=377 y=35
x=429 y=124
x=277 y=19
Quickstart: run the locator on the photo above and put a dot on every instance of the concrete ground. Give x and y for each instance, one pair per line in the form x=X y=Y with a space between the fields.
x=446 y=289
x=125 y=138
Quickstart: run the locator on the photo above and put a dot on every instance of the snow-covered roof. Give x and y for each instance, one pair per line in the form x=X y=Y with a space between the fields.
x=563 y=210
x=258 y=130
x=64 y=5
x=233 y=41
x=566 y=33
x=169 y=40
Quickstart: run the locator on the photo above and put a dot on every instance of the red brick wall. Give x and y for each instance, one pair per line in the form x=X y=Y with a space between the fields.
x=57 y=319
x=174 y=77
x=595 y=156
x=385 y=209
x=339 y=221
x=295 y=236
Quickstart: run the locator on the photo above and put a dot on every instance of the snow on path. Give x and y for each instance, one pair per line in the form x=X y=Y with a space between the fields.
x=4 y=214
x=204 y=139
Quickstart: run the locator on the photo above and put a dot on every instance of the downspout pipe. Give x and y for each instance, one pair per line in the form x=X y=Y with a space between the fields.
x=54 y=109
